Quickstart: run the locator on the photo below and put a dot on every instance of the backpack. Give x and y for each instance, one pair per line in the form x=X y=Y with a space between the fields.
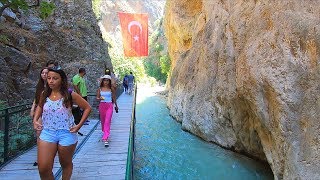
x=76 y=111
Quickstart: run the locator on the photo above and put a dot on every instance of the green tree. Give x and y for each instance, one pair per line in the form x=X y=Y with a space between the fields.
x=123 y=66
x=165 y=64
x=153 y=69
x=157 y=64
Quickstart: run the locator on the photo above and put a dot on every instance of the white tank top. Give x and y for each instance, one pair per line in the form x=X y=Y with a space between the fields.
x=106 y=95
x=56 y=116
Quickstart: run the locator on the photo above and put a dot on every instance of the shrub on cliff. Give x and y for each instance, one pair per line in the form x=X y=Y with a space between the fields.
x=46 y=8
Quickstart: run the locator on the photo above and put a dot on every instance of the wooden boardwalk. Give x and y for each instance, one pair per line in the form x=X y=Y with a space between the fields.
x=91 y=160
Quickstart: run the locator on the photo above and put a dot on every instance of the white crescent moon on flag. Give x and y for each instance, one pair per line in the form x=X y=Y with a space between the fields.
x=134 y=23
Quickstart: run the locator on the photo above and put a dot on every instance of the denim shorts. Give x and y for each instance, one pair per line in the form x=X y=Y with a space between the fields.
x=62 y=137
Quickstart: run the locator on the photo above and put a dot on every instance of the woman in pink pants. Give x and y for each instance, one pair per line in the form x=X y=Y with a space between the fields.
x=107 y=97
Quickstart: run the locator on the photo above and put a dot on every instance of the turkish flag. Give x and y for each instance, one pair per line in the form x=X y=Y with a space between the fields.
x=134 y=28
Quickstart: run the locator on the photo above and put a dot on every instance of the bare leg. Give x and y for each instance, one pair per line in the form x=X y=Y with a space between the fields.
x=65 y=158
x=46 y=154
x=37 y=135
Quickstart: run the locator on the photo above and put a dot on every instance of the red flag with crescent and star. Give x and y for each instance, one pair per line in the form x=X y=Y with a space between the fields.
x=134 y=28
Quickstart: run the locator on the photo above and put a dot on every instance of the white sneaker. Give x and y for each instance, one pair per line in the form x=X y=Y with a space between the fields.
x=106 y=144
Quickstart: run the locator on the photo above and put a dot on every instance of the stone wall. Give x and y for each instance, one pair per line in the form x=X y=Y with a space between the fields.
x=71 y=36
x=245 y=75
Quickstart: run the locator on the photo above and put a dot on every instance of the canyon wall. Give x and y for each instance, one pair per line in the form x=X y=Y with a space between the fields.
x=246 y=75
x=70 y=36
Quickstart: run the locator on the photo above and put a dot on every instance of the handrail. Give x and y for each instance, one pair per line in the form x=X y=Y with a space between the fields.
x=16 y=106
x=5 y=127
x=131 y=146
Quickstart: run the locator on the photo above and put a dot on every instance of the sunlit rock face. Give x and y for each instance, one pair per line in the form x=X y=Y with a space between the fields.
x=245 y=75
x=71 y=36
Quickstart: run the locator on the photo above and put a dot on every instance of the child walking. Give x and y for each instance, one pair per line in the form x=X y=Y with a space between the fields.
x=106 y=96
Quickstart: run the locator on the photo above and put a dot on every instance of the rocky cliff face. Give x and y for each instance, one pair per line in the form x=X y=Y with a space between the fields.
x=71 y=36
x=245 y=75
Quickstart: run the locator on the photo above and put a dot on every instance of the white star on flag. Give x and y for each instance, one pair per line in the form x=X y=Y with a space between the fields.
x=136 y=38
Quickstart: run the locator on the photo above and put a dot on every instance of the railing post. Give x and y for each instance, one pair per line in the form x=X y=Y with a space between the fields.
x=6 y=135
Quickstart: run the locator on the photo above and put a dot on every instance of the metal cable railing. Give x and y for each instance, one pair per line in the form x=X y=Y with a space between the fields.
x=130 y=158
x=16 y=131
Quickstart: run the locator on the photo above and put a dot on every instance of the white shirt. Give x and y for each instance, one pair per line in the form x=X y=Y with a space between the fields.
x=56 y=116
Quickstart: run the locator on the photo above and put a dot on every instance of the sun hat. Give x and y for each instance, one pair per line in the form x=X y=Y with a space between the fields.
x=106 y=77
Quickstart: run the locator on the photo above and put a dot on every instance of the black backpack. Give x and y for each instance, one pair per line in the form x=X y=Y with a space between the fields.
x=76 y=111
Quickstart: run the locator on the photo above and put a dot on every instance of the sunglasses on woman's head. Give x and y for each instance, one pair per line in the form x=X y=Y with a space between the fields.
x=56 y=68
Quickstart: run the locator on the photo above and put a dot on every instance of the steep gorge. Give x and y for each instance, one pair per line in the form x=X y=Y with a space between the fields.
x=245 y=75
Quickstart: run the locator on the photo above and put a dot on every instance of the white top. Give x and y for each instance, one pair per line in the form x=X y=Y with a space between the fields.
x=106 y=95
x=56 y=116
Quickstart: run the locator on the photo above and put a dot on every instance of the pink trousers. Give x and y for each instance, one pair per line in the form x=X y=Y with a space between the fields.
x=106 y=110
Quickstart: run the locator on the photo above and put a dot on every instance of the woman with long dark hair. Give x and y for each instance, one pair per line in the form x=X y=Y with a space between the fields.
x=39 y=89
x=107 y=96
x=58 y=130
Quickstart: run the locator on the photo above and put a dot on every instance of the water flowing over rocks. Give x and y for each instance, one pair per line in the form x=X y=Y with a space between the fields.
x=245 y=75
x=71 y=36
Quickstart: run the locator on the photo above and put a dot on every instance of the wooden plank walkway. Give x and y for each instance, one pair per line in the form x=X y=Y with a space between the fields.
x=91 y=160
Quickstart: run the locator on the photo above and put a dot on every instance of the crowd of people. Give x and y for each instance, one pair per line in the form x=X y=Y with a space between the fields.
x=55 y=122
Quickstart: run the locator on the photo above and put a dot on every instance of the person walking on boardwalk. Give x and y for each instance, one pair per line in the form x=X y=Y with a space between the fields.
x=79 y=83
x=39 y=89
x=58 y=131
x=80 y=87
x=125 y=83
x=130 y=82
x=106 y=96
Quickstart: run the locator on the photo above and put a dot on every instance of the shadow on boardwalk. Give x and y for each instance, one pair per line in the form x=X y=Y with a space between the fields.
x=91 y=160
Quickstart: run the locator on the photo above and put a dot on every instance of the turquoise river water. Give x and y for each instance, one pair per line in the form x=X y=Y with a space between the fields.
x=164 y=151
